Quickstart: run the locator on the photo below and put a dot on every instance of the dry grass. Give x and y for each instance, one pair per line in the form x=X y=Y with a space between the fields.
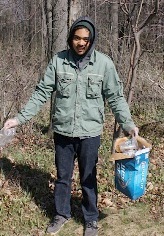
x=27 y=183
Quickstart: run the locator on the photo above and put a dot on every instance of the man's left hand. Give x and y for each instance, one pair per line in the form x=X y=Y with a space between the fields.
x=134 y=132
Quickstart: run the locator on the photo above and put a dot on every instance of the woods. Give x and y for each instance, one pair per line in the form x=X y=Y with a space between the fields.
x=130 y=32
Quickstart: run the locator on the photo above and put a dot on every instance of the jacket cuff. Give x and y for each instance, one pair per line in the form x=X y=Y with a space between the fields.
x=20 y=119
x=128 y=127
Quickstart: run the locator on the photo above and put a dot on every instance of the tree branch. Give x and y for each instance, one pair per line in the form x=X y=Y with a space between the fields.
x=150 y=17
x=139 y=13
x=124 y=9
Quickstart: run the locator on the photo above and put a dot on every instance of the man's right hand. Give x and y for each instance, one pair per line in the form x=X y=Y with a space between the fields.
x=11 y=123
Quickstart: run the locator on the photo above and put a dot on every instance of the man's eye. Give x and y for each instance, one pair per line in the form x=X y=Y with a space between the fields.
x=86 y=39
x=76 y=38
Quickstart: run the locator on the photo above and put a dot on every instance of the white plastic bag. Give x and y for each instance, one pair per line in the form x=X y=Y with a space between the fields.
x=129 y=147
x=6 y=136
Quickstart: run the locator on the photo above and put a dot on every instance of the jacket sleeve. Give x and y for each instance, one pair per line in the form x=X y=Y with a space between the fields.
x=41 y=94
x=113 y=92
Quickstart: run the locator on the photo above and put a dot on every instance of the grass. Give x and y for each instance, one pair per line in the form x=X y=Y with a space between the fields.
x=27 y=182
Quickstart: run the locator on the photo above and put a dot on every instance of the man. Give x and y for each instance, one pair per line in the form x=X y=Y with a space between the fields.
x=83 y=79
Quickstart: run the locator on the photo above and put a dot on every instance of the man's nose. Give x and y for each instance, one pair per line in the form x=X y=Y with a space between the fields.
x=81 y=42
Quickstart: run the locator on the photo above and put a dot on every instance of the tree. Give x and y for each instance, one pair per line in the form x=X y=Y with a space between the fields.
x=114 y=30
x=75 y=9
x=133 y=10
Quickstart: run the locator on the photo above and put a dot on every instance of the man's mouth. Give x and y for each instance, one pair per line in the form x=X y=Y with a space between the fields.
x=81 y=49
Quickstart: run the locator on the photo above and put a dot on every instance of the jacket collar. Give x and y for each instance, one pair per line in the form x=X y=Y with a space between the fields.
x=69 y=58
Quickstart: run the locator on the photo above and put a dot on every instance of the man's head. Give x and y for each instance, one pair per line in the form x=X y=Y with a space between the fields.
x=82 y=36
x=81 y=40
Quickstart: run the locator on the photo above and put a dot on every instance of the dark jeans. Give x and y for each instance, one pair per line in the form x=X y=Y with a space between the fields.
x=86 y=151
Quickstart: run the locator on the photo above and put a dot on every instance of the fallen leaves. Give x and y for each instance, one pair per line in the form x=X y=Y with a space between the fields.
x=108 y=196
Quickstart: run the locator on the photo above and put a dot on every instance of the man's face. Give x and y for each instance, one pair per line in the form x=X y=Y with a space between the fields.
x=80 y=42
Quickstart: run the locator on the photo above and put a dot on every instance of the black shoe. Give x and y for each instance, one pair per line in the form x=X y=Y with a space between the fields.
x=56 y=225
x=91 y=228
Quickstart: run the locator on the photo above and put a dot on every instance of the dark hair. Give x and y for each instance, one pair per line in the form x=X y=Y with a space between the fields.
x=70 y=39
x=80 y=27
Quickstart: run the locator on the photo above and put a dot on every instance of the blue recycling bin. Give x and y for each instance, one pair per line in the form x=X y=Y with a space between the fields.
x=131 y=174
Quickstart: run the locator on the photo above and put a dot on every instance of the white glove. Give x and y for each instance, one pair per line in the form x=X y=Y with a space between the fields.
x=11 y=123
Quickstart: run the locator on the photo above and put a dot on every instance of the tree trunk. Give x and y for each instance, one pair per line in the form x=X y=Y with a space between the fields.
x=134 y=66
x=114 y=30
x=44 y=33
x=75 y=8
x=49 y=20
x=60 y=25
x=59 y=35
x=114 y=50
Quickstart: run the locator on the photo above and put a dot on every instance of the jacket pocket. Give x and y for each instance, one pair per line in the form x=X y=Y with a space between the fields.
x=94 y=86
x=65 y=83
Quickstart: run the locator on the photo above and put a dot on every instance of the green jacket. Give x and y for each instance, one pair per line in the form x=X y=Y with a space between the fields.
x=78 y=109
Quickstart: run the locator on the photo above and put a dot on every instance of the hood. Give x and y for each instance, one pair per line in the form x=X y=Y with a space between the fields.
x=88 y=23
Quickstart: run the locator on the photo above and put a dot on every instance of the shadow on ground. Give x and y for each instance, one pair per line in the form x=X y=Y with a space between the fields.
x=34 y=181
x=37 y=183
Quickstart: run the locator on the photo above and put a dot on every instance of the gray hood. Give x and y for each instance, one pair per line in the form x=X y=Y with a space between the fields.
x=88 y=23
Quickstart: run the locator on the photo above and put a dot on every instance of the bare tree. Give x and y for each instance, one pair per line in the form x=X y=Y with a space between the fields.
x=138 y=25
x=59 y=25
x=114 y=30
x=133 y=12
x=75 y=9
